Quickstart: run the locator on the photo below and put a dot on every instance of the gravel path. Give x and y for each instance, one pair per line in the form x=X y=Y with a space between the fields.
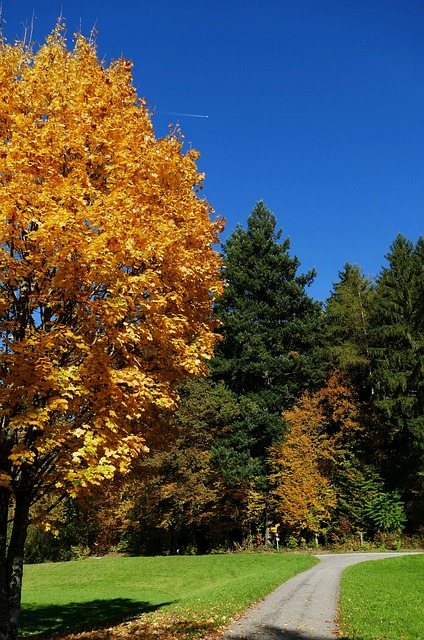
x=302 y=608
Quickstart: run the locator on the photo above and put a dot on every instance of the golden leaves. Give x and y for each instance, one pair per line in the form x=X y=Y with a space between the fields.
x=302 y=464
x=5 y=479
x=107 y=270
x=20 y=454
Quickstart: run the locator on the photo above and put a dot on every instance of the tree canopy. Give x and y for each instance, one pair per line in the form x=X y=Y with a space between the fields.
x=107 y=278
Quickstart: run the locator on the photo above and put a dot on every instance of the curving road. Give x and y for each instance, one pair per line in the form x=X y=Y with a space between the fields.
x=304 y=607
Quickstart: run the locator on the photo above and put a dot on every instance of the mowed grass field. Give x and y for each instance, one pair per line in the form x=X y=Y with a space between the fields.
x=194 y=597
x=161 y=597
x=383 y=600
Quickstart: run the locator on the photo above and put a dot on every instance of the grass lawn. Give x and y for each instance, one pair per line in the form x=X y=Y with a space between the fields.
x=383 y=600
x=162 y=597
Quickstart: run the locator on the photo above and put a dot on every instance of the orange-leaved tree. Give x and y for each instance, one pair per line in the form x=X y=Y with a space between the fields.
x=322 y=427
x=107 y=277
x=301 y=488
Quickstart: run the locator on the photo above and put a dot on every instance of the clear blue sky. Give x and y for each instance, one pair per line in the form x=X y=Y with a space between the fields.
x=314 y=106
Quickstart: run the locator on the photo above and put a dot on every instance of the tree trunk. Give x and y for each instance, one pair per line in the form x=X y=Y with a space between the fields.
x=5 y=632
x=11 y=562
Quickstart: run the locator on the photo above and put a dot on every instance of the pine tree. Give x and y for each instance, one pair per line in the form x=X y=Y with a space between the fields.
x=347 y=314
x=270 y=352
x=398 y=362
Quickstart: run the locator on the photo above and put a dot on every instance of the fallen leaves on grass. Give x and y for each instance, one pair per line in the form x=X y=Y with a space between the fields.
x=160 y=625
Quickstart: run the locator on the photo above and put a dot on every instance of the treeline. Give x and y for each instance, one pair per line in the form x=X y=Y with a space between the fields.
x=311 y=418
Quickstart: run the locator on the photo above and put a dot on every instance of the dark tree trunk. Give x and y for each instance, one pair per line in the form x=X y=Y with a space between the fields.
x=5 y=631
x=11 y=561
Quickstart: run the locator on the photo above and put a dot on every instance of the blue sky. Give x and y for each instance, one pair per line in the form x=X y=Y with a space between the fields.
x=314 y=106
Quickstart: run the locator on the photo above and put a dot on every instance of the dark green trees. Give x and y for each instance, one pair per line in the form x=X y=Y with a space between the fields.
x=375 y=332
x=398 y=361
x=270 y=350
x=348 y=326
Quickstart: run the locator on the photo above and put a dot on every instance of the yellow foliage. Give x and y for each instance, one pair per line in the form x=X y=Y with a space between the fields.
x=107 y=269
x=5 y=479
x=319 y=425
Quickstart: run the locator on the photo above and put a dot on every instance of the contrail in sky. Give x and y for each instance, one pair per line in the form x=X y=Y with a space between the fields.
x=187 y=115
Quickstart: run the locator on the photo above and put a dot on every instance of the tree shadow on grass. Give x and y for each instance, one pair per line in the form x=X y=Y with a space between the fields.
x=42 y=621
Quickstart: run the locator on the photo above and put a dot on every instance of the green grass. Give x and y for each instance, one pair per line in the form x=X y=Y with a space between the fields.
x=383 y=600
x=95 y=593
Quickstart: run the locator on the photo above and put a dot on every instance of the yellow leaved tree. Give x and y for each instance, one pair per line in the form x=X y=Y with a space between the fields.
x=320 y=427
x=301 y=487
x=107 y=277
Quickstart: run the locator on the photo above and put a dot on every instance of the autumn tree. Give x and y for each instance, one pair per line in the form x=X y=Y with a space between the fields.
x=322 y=429
x=107 y=276
x=302 y=489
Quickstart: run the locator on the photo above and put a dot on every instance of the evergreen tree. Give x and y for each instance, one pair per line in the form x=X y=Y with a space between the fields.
x=270 y=352
x=398 y=362
x=347 y=326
